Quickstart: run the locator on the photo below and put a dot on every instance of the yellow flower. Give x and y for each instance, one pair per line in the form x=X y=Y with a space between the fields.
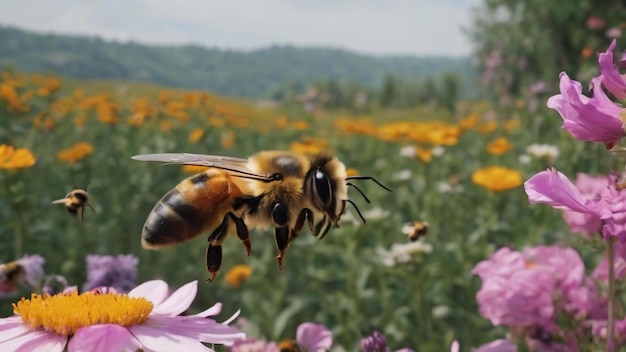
x=300 y=125
x=195 y=135
x=310 y=145
x=75 y=153
x=497 y=178
x=238 y=274
x=11 y=158
x=425 y=155
x=499 y=146
x=281 y=122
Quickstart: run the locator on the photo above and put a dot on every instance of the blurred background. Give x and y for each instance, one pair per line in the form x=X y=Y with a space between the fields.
x=442 y=101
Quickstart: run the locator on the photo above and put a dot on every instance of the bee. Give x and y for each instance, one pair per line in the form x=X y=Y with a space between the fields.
x=75 y=202
x=10 y=275
x=279 y=188
x=416 y=230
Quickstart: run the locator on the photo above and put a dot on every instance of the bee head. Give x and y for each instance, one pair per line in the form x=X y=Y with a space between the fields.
x=325 y=184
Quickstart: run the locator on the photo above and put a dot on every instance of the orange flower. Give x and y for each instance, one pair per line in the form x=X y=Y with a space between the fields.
x=11 y=158
x=511 y=124
x=228 y=140
x=75 y=153
x=499 y=146
x=497 y=178
x=586 y=52
x=487 y=127
x=195 y=135
x=309 y=145
x=425 y=155
x=352 y=172
x=281 y=122
x=165 y=126
x=238 y=274
x=300 y=125
x=468 y=122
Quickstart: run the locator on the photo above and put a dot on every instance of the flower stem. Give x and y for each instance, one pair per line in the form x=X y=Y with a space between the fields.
x=610 y=343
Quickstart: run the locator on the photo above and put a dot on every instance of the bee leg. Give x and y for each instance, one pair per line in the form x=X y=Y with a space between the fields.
x=242 y=232
x=213 y=260
x=217 y=236
x=305 y=215
x=280 y=215
x=282 y=241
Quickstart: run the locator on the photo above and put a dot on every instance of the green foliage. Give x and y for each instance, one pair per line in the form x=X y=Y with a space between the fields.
x=520 y=42
x=339 y=281
x=259 y=73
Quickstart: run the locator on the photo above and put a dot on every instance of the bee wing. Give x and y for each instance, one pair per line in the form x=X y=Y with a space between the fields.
x=235 y=165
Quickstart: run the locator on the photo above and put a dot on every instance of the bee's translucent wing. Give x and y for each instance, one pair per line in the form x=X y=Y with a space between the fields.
x=237 y=166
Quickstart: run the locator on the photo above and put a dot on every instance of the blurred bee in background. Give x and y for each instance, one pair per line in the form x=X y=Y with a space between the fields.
x=416 y=230
x=75 y=202
x=279 y=188
x=10 y=276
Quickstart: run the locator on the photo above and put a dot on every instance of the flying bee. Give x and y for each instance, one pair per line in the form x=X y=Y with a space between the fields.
x=75 y=202
x=10 y=275
x=279 y=188
x=416 y=230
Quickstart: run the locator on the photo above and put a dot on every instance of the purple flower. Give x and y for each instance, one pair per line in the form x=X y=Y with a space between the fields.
x=27 y=271
x=54 y=284
x=593 y=119
x=118 y=272
x=376 y=342
x=610 y=76
x=497 y=346
x=314 y=337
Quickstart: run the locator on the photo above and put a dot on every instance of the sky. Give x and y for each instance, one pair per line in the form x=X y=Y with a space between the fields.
x=379 y=27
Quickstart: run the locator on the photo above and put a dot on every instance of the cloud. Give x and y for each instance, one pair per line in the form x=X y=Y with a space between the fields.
x=417 y=27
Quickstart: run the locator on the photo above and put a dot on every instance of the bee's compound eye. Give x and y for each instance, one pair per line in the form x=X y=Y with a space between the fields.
x=280 y=214
x=322 y=188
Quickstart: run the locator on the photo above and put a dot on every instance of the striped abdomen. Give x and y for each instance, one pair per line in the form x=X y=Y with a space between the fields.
x=197 y=204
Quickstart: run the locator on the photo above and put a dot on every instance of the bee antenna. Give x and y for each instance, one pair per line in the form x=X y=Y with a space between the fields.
x=92 y=208
x=358 y=189
x=369 y=178
x=357 y=210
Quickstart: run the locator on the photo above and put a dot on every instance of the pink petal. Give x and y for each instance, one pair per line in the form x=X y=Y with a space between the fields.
x=455 y=346
x=12 y=327
x=593 y=119
x=103 y=338
x=498 y=346
x=314 y=337
x=611 y=78
x=154 y=291
x=209 y=312
x=158 y=340
x=179 y=301
x=553 y=188
x=36 y=341
x=201 y=329
x=232 y=317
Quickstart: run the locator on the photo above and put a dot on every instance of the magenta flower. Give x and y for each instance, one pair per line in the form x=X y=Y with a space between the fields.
x=601 y=271
x=592 y=188
x=147 y=318
x=595 y=119
x=610 y=75
x=377 y=342
x=519 y=288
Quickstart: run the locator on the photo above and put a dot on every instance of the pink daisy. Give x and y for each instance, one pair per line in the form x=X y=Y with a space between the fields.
x=144 y=319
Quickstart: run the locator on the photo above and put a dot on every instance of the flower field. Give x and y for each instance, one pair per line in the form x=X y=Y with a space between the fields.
x=462 y=173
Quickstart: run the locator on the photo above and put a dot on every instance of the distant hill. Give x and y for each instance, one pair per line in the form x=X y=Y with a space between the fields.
x=237 y=73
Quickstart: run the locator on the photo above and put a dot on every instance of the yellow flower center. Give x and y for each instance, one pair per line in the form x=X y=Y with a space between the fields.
x=64 y=314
